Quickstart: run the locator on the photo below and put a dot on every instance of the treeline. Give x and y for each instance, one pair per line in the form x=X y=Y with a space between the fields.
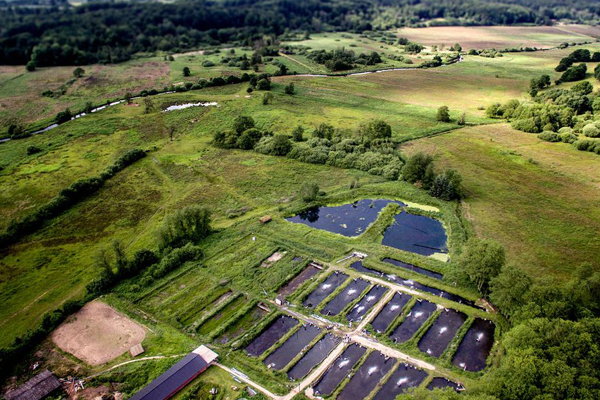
x=110 y=32
x=66 y=198
x=342 y=59
x=556 y=114
x=369 y=148
x=178 y=240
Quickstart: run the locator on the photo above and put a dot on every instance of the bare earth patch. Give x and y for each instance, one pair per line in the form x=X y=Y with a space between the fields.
x=273 y=259
x=98 y=334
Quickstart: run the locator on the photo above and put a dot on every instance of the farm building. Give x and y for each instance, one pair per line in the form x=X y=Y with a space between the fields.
x=178 y=376
x=36 y=388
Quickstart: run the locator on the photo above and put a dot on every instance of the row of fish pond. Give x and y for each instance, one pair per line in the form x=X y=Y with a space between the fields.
x=358 y=373
x=297 y=349
x=403 y=317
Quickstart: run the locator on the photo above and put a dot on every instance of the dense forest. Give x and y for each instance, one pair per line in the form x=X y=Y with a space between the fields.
x=56 y=33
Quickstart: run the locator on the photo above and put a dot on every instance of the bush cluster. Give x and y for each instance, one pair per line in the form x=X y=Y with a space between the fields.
x=342 y=59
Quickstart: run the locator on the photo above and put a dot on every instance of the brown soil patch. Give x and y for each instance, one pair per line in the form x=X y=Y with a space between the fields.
x=98 y=334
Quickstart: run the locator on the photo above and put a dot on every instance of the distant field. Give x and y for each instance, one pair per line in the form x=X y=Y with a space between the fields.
x=500 y=37
x=539 y=199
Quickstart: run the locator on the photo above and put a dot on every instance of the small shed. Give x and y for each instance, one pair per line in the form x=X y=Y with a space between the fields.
x=280 y=300
x=36 y=388
x=136 y=350
x=265 y=219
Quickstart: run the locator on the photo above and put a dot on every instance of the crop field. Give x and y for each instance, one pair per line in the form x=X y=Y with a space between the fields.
x=500 y=37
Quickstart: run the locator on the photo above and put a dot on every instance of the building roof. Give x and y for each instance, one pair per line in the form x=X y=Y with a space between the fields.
x=36 y=388
x=178 y=376
x=136 y=350
x=265 y=219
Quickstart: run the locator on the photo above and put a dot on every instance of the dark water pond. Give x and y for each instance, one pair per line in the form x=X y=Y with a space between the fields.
x=324 y=289
x=314 y=356
x=441 y=333
x=388 y=313
x=272 y=334
x=475 y=346
x=414 y=268
x=442 y=383
x=295 y=283
x=411 y=324
x=358 y=266
x=370 y=373
x=291 y=347
x=417 y=234
x=365 y=304
x=404 y=378
x=348 y=295
x=339 y=370
x=348 y=220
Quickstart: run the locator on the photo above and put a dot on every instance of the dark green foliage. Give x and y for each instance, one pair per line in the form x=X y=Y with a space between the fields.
x=63 y=116
x=66 y=198
x=186 y=71
x=549 y=136
x=289 y=89
x=30 y=66
x=281 y=145
x=482 y=260
x=446 y=186
x=415 y=167
x=242 y=124
x=508 y=289
x=78 y=72
x=324 y=131
x=267 y=99
x=583 y=88
x=188 y=225
x=573 y=74
x=33 y=149
x=414 y=48
x=376 y=129
x=309 y=192
x=263 y=84
x=443 y=114
x=342 y=59
x=298 y=133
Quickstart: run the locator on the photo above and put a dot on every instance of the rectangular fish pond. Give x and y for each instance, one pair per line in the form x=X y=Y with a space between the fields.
x=358 y=266
x=475 y=347
x=441 y=333
x=339 y=370
x=389 y=313
x=420 y=312
x=314 y=356
x=324 y=289
x=366 y=303
x=298 y=280
x=370 y=373
x=414 y=268
x=271 y=335
x=346 y=296
x=417 y=234
x=348 y=219
x=404 y=378
x=295 y=344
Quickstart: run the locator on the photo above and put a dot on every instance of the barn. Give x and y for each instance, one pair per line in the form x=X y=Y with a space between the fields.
x=178 y=376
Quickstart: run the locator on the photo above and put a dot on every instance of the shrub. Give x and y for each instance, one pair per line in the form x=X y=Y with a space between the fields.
x=526 y=125
x=263 y=84
x=376 y=129
x=415 y=167
x=242 y=124
x=549 y=136
x=188 y=225
x=63 y=116
x=208 y=64
x=298 y=133
x=447 y=186
x=289 y=89
x=32 y=149
x=590 y=130
x=309 y=192
x=443 y=114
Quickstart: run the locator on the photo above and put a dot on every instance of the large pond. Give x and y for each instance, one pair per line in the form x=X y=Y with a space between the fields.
x=348 y=219
x=404 y=378
x=420 y=312
x=417 y=234
x=324 y=289
x=339 y=370
x=291 y=347
x=414 y=268
x=389 y=313
x=370 y=373
x=345 y=297
x=365 y=304
x=441 y=333
x=271 y=335
x=295 y=283
x=314 y=356
x=475 y=347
